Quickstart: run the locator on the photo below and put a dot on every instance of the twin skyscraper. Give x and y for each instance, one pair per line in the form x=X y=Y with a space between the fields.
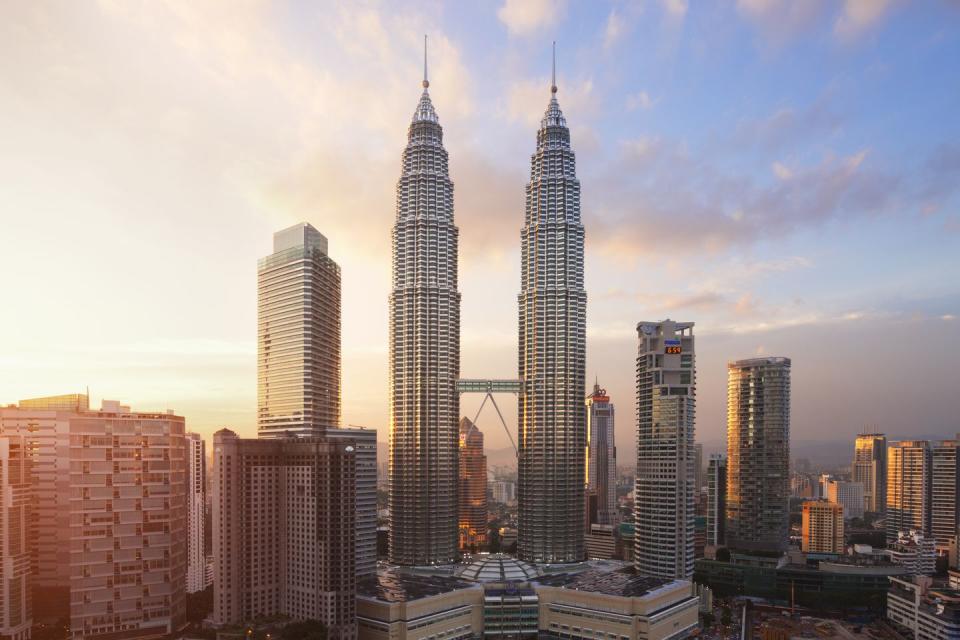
x=425 y=352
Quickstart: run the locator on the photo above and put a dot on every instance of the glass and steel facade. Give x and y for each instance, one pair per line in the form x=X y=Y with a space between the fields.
x=424 y=352
x=601 y=460
x=552 y=353
x=870 y=469
x=758 y=454
x=666 y=402
x=473 y=486
x=298 y=336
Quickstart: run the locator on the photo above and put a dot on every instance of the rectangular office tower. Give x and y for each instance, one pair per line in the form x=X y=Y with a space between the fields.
x=16 y=500
x=716 y=500
x=196 y=507
x=758 y=455
x=944 y=485
x=666 y=400
x=601 y=490
x=298 y=335
x=473 y=486
x=869 y=468
x=111 y=515
x=283 y=531
x=909 y=480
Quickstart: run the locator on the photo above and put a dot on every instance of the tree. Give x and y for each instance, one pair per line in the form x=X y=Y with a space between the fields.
x=304 y=630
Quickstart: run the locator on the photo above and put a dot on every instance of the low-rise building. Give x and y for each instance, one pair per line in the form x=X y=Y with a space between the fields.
x=600 y=542
x=924 y=612
x=915 y=552
x=499 y=596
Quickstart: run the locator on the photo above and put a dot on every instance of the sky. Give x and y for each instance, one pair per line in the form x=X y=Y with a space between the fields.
x=784 y=174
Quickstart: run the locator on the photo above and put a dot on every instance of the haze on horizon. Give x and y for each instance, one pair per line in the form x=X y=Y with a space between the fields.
x=785 y=175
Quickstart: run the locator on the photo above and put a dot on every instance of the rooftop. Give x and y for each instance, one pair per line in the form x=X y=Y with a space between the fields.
x=393 y=585
x=624 y=582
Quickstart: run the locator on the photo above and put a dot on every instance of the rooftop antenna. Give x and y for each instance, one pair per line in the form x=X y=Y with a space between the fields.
x=553 y=82
x=426 y=83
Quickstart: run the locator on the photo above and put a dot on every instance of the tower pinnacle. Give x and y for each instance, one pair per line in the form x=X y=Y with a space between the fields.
x=426 y=83
x=553 y=82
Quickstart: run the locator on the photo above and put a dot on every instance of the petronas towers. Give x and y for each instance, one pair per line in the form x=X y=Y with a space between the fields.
x=424 y=352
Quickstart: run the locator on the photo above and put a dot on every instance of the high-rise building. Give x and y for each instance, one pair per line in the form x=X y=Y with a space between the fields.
x=552 y=354
x=128 y=524
x=196 y=513
x=697 y=470
x=909 y=480
x=364 y=442
x=944 y=492
x=110 y=491
x=601 y=460
x=758 y=454
x=424 y=351
x=848 y=494
x=915 y=551
x=822 y=527
x=473 y=486
x=16 y=499
x=716 y=500
x=870 y=469
x=298 y=335
x=664 y=505
x=284 y=530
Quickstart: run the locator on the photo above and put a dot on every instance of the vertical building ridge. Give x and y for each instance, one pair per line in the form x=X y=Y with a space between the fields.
x=424 y=352
x=552 y=353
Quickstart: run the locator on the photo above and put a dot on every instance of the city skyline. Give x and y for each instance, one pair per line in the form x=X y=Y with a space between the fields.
x=198 y=355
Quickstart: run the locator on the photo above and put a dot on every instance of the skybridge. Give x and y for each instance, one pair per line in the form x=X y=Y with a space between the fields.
x=490 y=387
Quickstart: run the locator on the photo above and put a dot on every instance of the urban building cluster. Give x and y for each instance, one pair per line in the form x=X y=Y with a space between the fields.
x=111 y=518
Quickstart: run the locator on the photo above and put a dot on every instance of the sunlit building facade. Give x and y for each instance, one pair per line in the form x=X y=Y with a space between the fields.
x=822 y=527
x=664 y=506
x=473 y=486
x=298 y=336
x=869 y=468
x=552 y=353
x=424 y=352
x=909 y=480
x=601 y=460
x=16 y=502
x=758 y=454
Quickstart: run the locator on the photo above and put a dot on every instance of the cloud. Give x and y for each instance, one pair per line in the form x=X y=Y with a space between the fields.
x=860 y=16
x=675 y=10
x=614 y=30
x=641 y=100
x=779 y=22
x=528 y=99
x=781 y=171
x=526 y=17
x=788 y=125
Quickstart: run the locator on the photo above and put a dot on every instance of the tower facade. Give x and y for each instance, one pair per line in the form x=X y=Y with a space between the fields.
x=758 y=454
x=716 y=499
x=196 y=507
x=424 y=352
x=601 y=460
x=944 y=492
x=473 y=486
x=870 y=469
x=666 y=401
x=552 y=353
x=909 y=480
x=298 y=336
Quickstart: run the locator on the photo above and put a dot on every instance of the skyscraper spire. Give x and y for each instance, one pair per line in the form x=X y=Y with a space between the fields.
x=553 y=81
x=426 y=82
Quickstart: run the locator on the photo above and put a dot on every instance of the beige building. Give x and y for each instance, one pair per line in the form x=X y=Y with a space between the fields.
x=110 y=525
x=16 y=495
x=284 y=522
x=499 y=596
x=822 y=527
x=196 y=507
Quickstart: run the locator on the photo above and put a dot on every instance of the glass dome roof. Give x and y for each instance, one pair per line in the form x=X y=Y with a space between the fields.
x=497 y=567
